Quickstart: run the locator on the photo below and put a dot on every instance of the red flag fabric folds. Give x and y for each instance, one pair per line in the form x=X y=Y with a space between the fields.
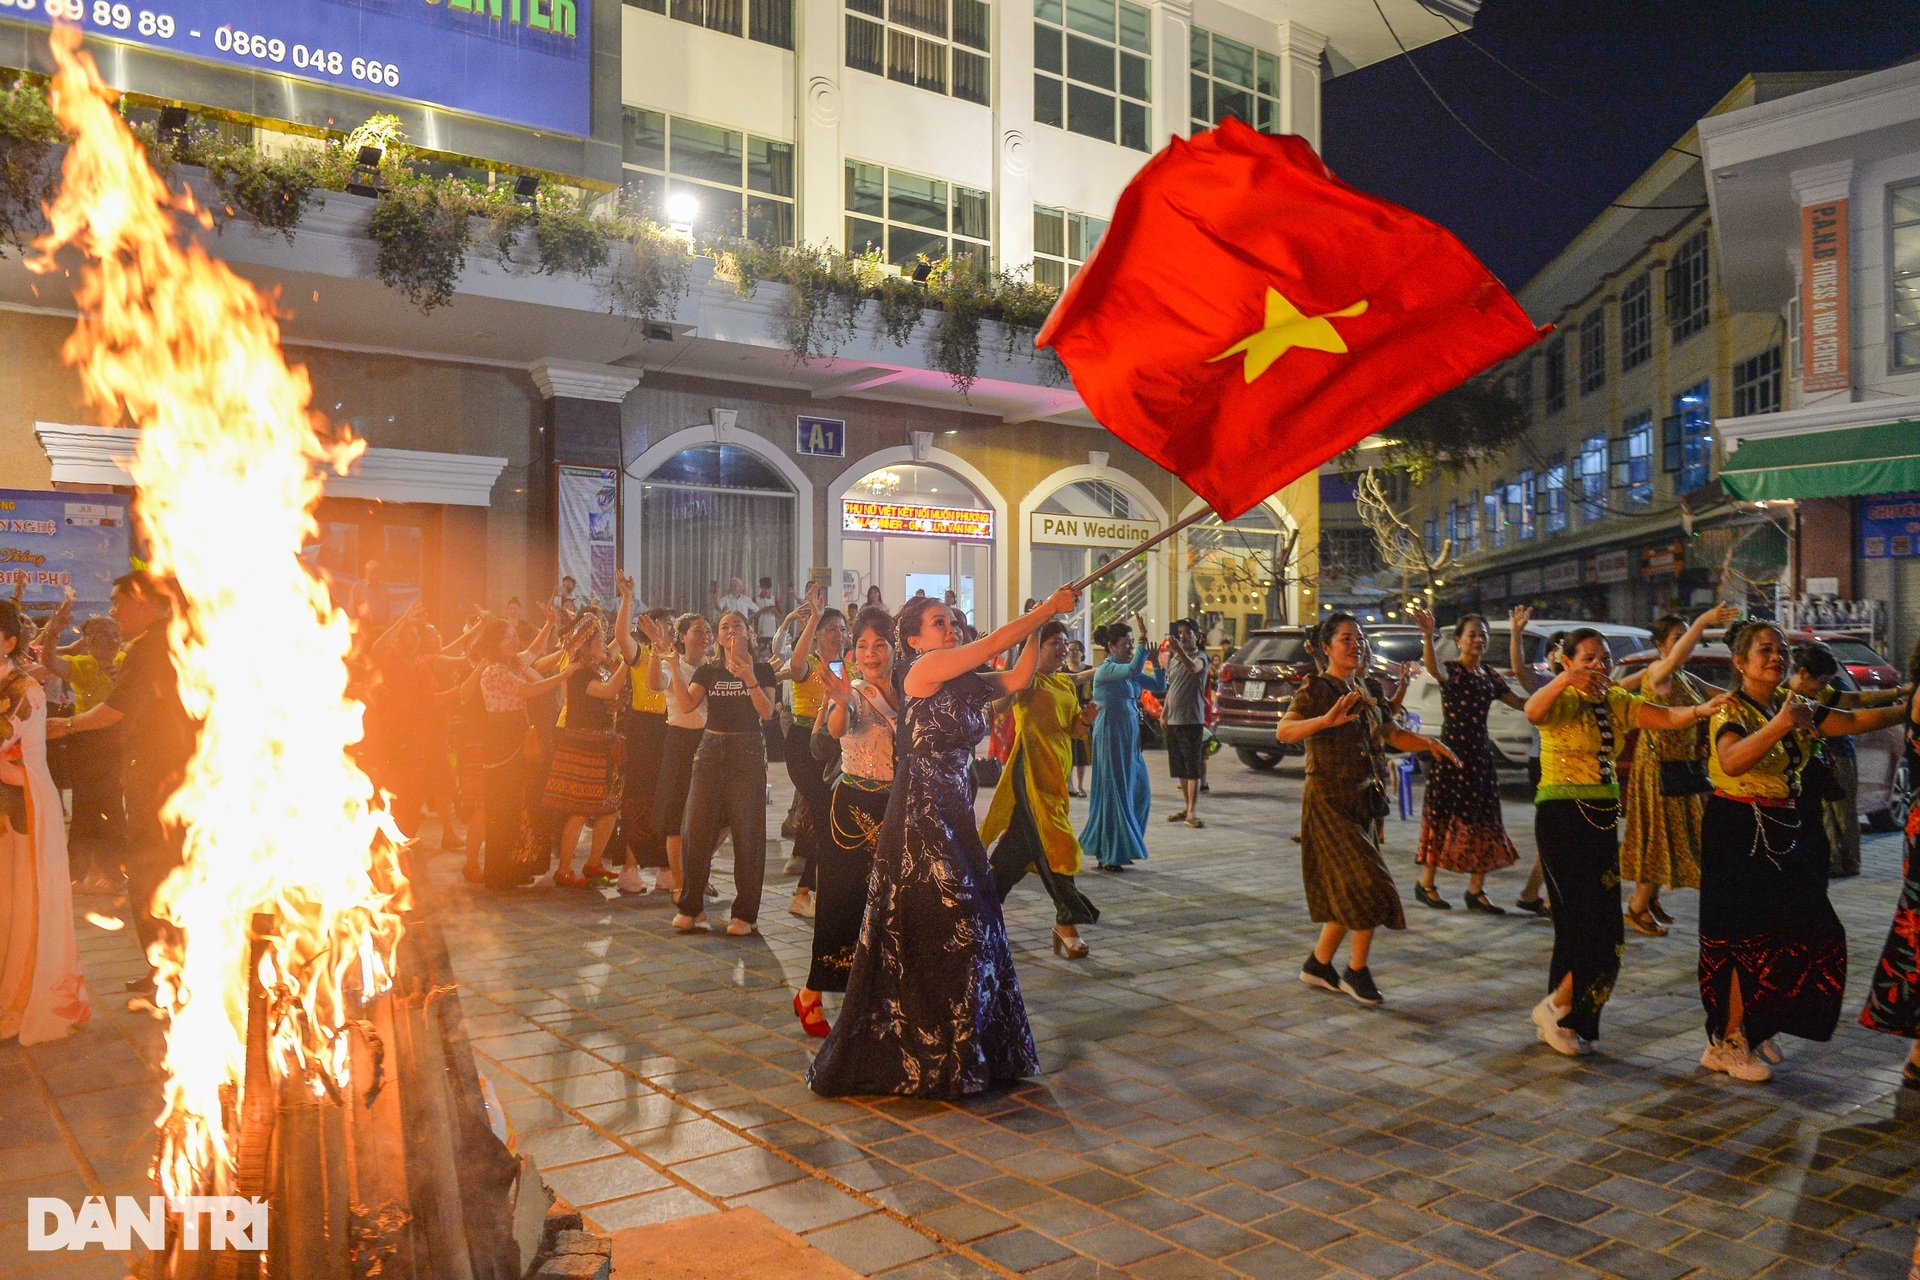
x=1247 y=315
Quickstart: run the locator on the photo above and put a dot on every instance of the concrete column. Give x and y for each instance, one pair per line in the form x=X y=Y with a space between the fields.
x=1300 y=50
x=818 y=64
x=1172 y=102
x=579 y=426
x=1013 y=128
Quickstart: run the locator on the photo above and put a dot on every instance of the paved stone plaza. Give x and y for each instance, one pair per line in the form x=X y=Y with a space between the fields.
x=1202 y=1114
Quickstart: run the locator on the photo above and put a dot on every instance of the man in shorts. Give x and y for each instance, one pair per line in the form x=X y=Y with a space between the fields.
x=1184 y=716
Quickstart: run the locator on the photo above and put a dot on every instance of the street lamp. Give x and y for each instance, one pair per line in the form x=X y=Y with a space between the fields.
x=682 y=209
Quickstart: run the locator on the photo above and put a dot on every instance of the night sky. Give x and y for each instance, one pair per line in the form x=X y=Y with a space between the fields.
x=1634 y=76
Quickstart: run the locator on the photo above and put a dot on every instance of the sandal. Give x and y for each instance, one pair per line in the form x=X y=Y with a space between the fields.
x=1431 y=898
x=1644 y=923
x=1658 y=912
x=1195 y=822
x=568 y=879
x=811 y=1019
x=1072 y=948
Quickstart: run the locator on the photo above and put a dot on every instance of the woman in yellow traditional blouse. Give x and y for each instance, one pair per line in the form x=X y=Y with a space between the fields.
x=1583 y=719
x=1029 y=811
x=1773 y=955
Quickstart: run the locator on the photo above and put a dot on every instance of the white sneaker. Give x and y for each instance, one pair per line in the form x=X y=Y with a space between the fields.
x=1770 y=1052
x=630 y=882
x=1731 y=1057
x=802 y=905
x=1546 y=1021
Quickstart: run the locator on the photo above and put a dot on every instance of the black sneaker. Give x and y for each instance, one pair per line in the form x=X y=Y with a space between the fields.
x=1534 y=906
x=1358 y=983
x=1316 y=974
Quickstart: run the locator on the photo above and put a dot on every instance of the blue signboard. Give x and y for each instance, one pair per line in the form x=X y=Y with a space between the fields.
x=518 y=61
x=50 y=542
x=820 y=437
x=1890 y=526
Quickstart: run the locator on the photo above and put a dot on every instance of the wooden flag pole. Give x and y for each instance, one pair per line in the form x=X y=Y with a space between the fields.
x=1148 y=545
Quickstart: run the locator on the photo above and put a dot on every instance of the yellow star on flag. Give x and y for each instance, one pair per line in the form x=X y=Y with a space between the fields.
x=1285 y=329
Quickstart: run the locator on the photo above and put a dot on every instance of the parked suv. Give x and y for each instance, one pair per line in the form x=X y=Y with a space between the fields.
x=1885 y=792
x=1258 y=681
x=1257 y=684
x=1512 y=736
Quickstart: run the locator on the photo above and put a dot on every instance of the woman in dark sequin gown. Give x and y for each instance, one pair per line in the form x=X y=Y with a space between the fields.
x=933 y=1008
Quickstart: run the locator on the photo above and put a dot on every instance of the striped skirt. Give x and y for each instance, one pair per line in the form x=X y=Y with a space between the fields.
x=582 y=780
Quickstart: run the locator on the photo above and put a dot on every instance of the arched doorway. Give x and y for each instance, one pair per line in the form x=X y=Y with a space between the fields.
x=1081 y=518
x=1231 y=581
x=708 y=513
x=910 y=527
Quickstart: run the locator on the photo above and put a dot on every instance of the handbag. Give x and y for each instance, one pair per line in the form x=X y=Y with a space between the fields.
x=986 y=772
x=1684 y=778
x=1373 y=791
x=1819 y=780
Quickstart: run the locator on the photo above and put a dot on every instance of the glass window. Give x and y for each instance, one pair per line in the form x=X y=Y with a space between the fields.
x=1061 y=242
x=1592 y=483
x=1630 y=459
x=1636 y=322
x=1693 y=407
x=1593 y=351
x=1497 y=514
x=1689 y=288
x=768 y=21
x=1555 y=498
x=908 y=216
x=741 y=184
x=1473 y=521
x=1520 y=496
x=1904 y=277
x=1556 y=358
x=936 y=45
x=1433 y=537
x=1523 y=390
x=1092 y=69
x=1228 y=78
x=1756 y=384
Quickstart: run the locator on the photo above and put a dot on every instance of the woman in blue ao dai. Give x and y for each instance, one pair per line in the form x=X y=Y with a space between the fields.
x=1116 y=830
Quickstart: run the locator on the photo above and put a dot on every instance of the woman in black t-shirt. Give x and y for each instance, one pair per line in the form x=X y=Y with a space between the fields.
x=581 y=779
x=729 y=776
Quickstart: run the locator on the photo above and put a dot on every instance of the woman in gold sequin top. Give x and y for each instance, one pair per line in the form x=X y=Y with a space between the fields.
x=1583 y=719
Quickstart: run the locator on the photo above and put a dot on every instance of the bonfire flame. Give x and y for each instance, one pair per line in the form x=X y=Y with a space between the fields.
x=278 y=819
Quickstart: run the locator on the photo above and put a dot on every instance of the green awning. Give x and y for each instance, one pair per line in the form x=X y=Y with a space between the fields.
x=1827 y=464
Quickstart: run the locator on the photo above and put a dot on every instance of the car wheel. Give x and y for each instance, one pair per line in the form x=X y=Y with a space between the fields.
x=1256 y=759
x=1899 y=801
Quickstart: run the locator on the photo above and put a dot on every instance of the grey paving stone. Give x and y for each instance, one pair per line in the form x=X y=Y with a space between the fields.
x=802 y=1205
x=1021 y=1250
x=871 y=1244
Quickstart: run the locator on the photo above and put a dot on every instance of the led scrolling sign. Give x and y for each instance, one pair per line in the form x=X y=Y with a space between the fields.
x=918 y=519
x=520 y=62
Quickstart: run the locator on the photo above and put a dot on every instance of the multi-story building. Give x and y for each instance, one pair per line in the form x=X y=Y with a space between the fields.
x=1609 y=507
x=1000 y=129
x=1816 y=204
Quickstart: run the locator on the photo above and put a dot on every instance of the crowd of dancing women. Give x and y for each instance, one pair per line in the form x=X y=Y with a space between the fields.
x=647 y=734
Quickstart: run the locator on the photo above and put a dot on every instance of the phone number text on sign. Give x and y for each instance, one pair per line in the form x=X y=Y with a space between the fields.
x=107 y=16
x=272 y=49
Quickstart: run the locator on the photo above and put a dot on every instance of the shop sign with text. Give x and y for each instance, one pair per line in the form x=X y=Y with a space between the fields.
x=1889 y=527
x=820 y=437
x=915 y=519
x=1054 y=529
x=1608 y=566
x=1823 y=297
x=1562 y=575
x=1524 y=581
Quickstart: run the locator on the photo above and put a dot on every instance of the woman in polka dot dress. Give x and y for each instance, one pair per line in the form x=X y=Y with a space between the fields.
x=1460 y=826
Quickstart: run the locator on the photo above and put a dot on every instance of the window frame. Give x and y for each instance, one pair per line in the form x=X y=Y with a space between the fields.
x=1263 y=93
x=1593 y=351
x=1554 y=494
x=956 y=242
x=1077 y=245
x=1690 y=288
x=1496 y=503
x=1636 y=321
x=1056 y=87
x=1555 y=358
x=641 y=175
x=1757 y=388
x=1521 y=495
x=895 y=36
x=1593 y=477
x=1896 y=331
x=1696 y=436
x=1630 y=460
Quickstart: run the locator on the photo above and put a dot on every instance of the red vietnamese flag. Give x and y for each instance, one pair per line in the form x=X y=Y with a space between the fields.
x=1247 y=315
